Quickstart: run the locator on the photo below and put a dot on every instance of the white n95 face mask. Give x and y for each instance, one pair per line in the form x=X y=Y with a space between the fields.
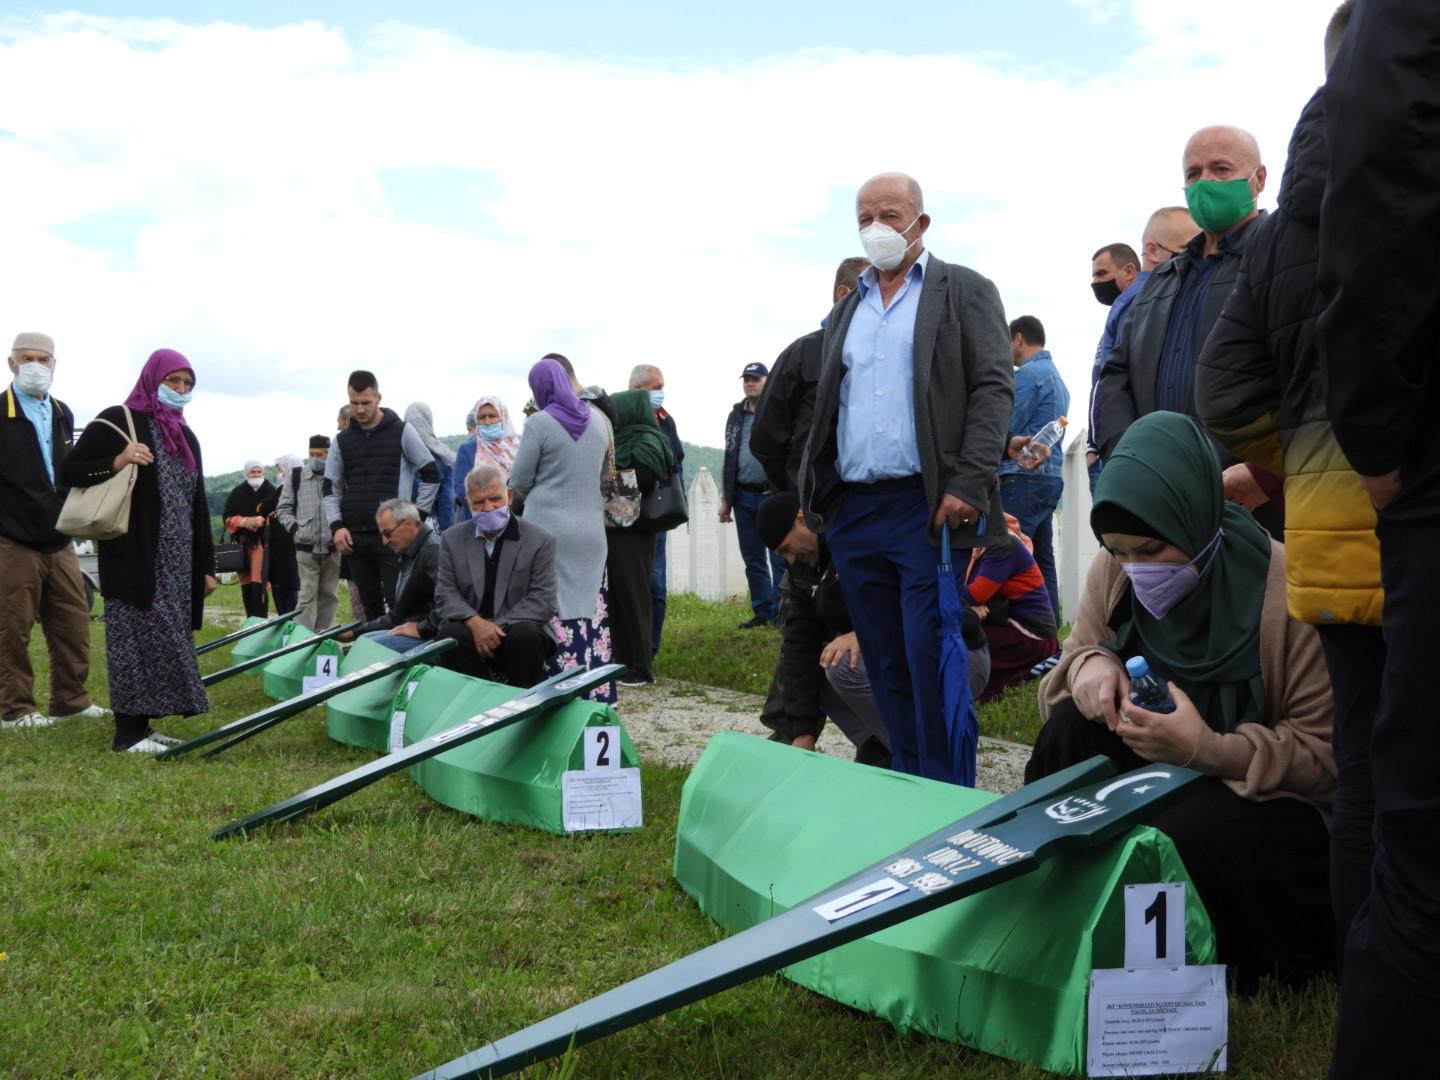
x=884 y=247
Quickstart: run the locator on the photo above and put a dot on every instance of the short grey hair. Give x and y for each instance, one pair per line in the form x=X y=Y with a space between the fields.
x=400 y=510
x=482 y=476
x=642 y=374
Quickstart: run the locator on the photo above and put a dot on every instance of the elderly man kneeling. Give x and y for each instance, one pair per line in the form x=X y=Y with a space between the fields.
x=496 y=588
x=412 y=618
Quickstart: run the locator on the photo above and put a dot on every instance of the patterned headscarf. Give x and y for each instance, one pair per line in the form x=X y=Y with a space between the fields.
x=500 y=452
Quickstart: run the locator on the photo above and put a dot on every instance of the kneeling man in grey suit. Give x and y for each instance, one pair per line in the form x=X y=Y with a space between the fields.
x=495 y=589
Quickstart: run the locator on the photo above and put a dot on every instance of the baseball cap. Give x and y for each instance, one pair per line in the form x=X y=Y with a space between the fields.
x=755 y=371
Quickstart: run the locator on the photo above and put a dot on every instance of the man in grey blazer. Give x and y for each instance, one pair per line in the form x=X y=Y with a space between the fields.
x=916 y=386
x=495 y=589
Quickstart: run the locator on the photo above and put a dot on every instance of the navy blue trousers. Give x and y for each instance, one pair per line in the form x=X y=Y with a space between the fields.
x=763 y=568
x=887 y=572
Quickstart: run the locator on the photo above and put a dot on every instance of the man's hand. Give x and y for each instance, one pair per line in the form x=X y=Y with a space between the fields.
x=407 y=629
x=1100 y=689
x=210 y=584
x=803 y=742
x=485 y=634
x=1170 y=738
x=1017 y=444
x=845 y=647
x=955 y=513
x=343 y=541
x=724 y=512
x=1242 y=489
x=1382 y=489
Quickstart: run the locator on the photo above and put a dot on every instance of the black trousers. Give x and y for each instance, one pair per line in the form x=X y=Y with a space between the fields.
x=1261 y=868
x=1355 y=657
x=257 y=600
x=1390 y=987
x=520 y=660
x=374 y=570
x=630 y=559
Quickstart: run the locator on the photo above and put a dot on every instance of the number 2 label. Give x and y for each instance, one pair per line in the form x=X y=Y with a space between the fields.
x=602 y=749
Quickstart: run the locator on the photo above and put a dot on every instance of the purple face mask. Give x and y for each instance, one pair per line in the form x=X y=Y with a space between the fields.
x=1160 y=586
x=490 y=522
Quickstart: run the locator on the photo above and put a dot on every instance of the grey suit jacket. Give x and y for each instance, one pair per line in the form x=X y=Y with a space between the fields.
x=524 y=580
x=964 y=390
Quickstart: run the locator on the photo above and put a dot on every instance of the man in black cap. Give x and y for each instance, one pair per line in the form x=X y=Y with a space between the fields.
x=744 y=487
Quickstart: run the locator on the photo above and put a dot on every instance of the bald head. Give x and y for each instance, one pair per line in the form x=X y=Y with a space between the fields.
x=1166 y=234
x=896 y=186
x=1213 y=150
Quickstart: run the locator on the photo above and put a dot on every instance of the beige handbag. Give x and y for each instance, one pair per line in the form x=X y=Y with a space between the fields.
x=102 y=511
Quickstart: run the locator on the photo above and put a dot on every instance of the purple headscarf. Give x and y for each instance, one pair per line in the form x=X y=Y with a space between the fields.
x=551 y=387
x=169 y=423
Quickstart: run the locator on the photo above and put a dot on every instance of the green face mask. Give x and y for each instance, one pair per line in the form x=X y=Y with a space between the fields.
x=1215 y=205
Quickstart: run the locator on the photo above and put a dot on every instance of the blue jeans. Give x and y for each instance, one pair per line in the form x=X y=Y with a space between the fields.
x=1032 y=499
x=1095 y=471
x=657 y=594
x=763 y=568
x=394 y=642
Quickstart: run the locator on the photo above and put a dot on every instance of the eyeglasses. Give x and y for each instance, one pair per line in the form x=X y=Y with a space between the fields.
x=179 y=382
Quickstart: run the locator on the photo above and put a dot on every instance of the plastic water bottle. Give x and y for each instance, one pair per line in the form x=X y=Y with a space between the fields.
x=1048 y=436
x=1146 y=690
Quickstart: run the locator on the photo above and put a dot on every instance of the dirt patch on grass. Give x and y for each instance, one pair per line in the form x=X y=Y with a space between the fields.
x=671 y=721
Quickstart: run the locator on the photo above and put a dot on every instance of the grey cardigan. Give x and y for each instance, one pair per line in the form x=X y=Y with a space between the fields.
x=560 y=480
x=964 y=390
x=524 y=580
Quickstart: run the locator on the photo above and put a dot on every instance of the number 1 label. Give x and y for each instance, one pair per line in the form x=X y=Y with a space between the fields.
x=1155 y=925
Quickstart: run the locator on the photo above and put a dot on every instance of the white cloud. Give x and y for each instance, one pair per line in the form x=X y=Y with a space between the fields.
x=689 y=217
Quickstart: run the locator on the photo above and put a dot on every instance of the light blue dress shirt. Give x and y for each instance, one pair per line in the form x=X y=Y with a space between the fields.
x=876 y=426
x=39 y=412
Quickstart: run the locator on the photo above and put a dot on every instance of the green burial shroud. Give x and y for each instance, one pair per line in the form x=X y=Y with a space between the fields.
x=512 y=776
x=764 y=826
x=361 y=717
x=263 y=642
x=284 y=677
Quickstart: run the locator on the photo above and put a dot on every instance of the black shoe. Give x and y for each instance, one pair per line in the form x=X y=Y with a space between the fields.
x=630 y=678
x=755 y=623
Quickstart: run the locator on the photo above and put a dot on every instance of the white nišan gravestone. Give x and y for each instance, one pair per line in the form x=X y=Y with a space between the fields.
x=703 y=556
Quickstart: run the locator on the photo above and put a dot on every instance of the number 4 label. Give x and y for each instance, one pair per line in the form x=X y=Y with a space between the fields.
x=1155 y=925
x=325 y=668
x=602 y=749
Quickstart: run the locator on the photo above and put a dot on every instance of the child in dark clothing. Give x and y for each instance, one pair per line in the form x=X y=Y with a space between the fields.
x=1005 y=588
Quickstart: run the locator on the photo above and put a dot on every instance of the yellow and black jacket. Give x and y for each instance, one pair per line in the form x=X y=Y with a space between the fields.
x=29 y=503
x=1260 y=389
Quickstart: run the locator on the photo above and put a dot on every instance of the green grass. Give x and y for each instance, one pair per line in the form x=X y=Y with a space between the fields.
x=388 y=934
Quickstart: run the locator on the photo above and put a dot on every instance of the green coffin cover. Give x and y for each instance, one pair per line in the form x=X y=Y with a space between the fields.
x=283 y=678
x=263 y=642
x=513 y=775
x=361 y=717
x=763 y=826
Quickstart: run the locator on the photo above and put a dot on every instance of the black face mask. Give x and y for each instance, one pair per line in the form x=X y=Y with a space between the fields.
x=1107 y=292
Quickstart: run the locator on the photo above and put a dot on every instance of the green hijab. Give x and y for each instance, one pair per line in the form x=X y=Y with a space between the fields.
x=638 y=438
x=1165 y=473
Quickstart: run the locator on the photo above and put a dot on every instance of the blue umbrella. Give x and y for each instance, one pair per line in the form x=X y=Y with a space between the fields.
x=961 y=724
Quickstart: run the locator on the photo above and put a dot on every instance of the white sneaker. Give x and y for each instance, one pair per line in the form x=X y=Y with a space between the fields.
x=90 y=712
x=30 y=719
x=146 y=745
x=163 y=740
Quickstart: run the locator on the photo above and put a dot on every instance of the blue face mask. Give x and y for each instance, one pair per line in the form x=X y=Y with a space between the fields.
x=171 y=398
x=491 y=432
x=657 y=398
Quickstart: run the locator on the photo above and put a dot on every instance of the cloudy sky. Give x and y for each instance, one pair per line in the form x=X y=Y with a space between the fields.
x=285 y=192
